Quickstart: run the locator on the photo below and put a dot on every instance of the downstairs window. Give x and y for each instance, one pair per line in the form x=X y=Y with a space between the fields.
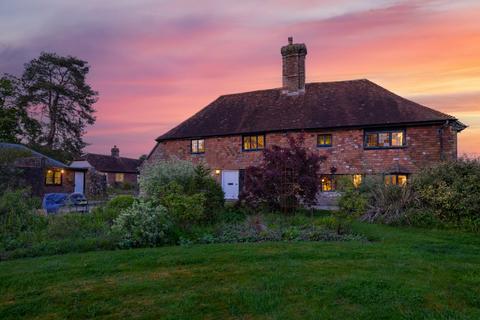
x=395 y=179
x=53 y=177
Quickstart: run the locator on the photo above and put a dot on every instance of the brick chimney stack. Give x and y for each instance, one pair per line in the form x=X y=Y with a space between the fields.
x=115 y=152
x=293 y=71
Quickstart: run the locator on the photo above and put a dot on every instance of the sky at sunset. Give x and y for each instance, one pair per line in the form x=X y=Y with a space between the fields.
x=155 y=63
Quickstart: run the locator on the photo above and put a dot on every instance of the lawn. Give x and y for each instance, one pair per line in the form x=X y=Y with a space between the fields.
x=400 y=274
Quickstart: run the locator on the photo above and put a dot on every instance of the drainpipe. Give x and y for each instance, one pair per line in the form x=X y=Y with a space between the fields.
x=440 y=134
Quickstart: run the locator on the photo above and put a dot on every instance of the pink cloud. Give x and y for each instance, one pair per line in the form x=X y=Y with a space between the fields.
x=156 y=64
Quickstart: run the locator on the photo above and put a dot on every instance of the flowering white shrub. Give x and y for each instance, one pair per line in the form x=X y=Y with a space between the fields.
x=143 y=225
x=155 y=176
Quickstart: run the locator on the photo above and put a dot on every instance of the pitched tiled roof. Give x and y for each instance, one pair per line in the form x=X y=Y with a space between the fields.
x=354 y=103
x=106 y=163
x=49 y=162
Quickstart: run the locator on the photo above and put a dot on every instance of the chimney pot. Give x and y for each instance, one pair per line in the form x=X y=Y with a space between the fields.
x=115 y=152
x=290 y=40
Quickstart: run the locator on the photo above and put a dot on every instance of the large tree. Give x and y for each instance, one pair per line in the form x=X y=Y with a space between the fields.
x=15 y=124
x=57 y=95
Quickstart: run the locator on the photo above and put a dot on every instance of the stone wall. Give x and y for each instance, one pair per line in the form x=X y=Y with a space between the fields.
x=347 y=154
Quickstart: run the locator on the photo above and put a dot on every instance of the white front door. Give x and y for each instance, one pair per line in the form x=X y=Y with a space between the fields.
x=230 y=184
x=79 y=181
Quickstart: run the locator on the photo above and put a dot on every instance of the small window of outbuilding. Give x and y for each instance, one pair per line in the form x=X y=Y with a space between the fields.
x=53 y=177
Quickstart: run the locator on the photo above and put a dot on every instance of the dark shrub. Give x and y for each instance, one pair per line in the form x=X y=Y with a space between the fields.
x=389 y=203
x=17 y=213
x=287 y=177
x=185 y=209
x=189 y=192
x=77 y=226
x=450 y=191
x=121 y=202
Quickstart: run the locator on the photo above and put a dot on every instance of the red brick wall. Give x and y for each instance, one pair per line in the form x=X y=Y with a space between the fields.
x=347 y=154
x=68 y=182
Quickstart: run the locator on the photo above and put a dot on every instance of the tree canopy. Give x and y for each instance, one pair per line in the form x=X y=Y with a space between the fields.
x=55 y=92
x=15 y=124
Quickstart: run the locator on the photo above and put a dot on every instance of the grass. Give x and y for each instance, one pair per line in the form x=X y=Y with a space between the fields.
x=403 y=273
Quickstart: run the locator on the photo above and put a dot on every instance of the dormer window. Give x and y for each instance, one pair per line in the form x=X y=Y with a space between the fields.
x=253 y=142
x=198 y=146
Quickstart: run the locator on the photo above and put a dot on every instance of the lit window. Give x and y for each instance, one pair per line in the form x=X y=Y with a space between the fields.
x=396 y=179
x=256 y=142
x=372 y=140
x=53 y=177
x=357 y=180
x=385 y=139
x=401 y=179
x=397 y=139
x=324 y=140
x=326 y=183
x=119 y=177
x=198 y=146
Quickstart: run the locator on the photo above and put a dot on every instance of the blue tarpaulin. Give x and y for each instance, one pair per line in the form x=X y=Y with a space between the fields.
x=52 y=202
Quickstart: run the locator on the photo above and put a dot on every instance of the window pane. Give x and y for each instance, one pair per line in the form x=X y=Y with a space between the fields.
x=246 y=143
x=388 y=179
x=253 y=142
x=201 y=145
x=397 y=138
x=320 y=140
x=384 y=139
x=402 y=179
x=326 y=183
x=119 y=177
x=372 y=139
x=49 y=177
x=328 y=139
x=194 y=146
x=57 y=177
x=357 y=180
x=261 y=142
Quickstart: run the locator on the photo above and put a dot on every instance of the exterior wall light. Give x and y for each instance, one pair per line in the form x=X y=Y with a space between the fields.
x=217 y=171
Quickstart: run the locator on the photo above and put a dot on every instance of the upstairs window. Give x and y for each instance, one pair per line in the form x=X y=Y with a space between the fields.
x=384 y=139
x=54 y=177
x=254 y=142
x=198 y=146
x=324 y=140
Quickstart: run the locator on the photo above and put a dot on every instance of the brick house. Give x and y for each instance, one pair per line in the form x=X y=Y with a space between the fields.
x=118 y=171
x=42 y=174
x=362 y=129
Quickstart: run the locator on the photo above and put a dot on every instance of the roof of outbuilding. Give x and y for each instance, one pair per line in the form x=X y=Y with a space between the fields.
x=105 y=163
x=49 y=162
x=353 y=103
